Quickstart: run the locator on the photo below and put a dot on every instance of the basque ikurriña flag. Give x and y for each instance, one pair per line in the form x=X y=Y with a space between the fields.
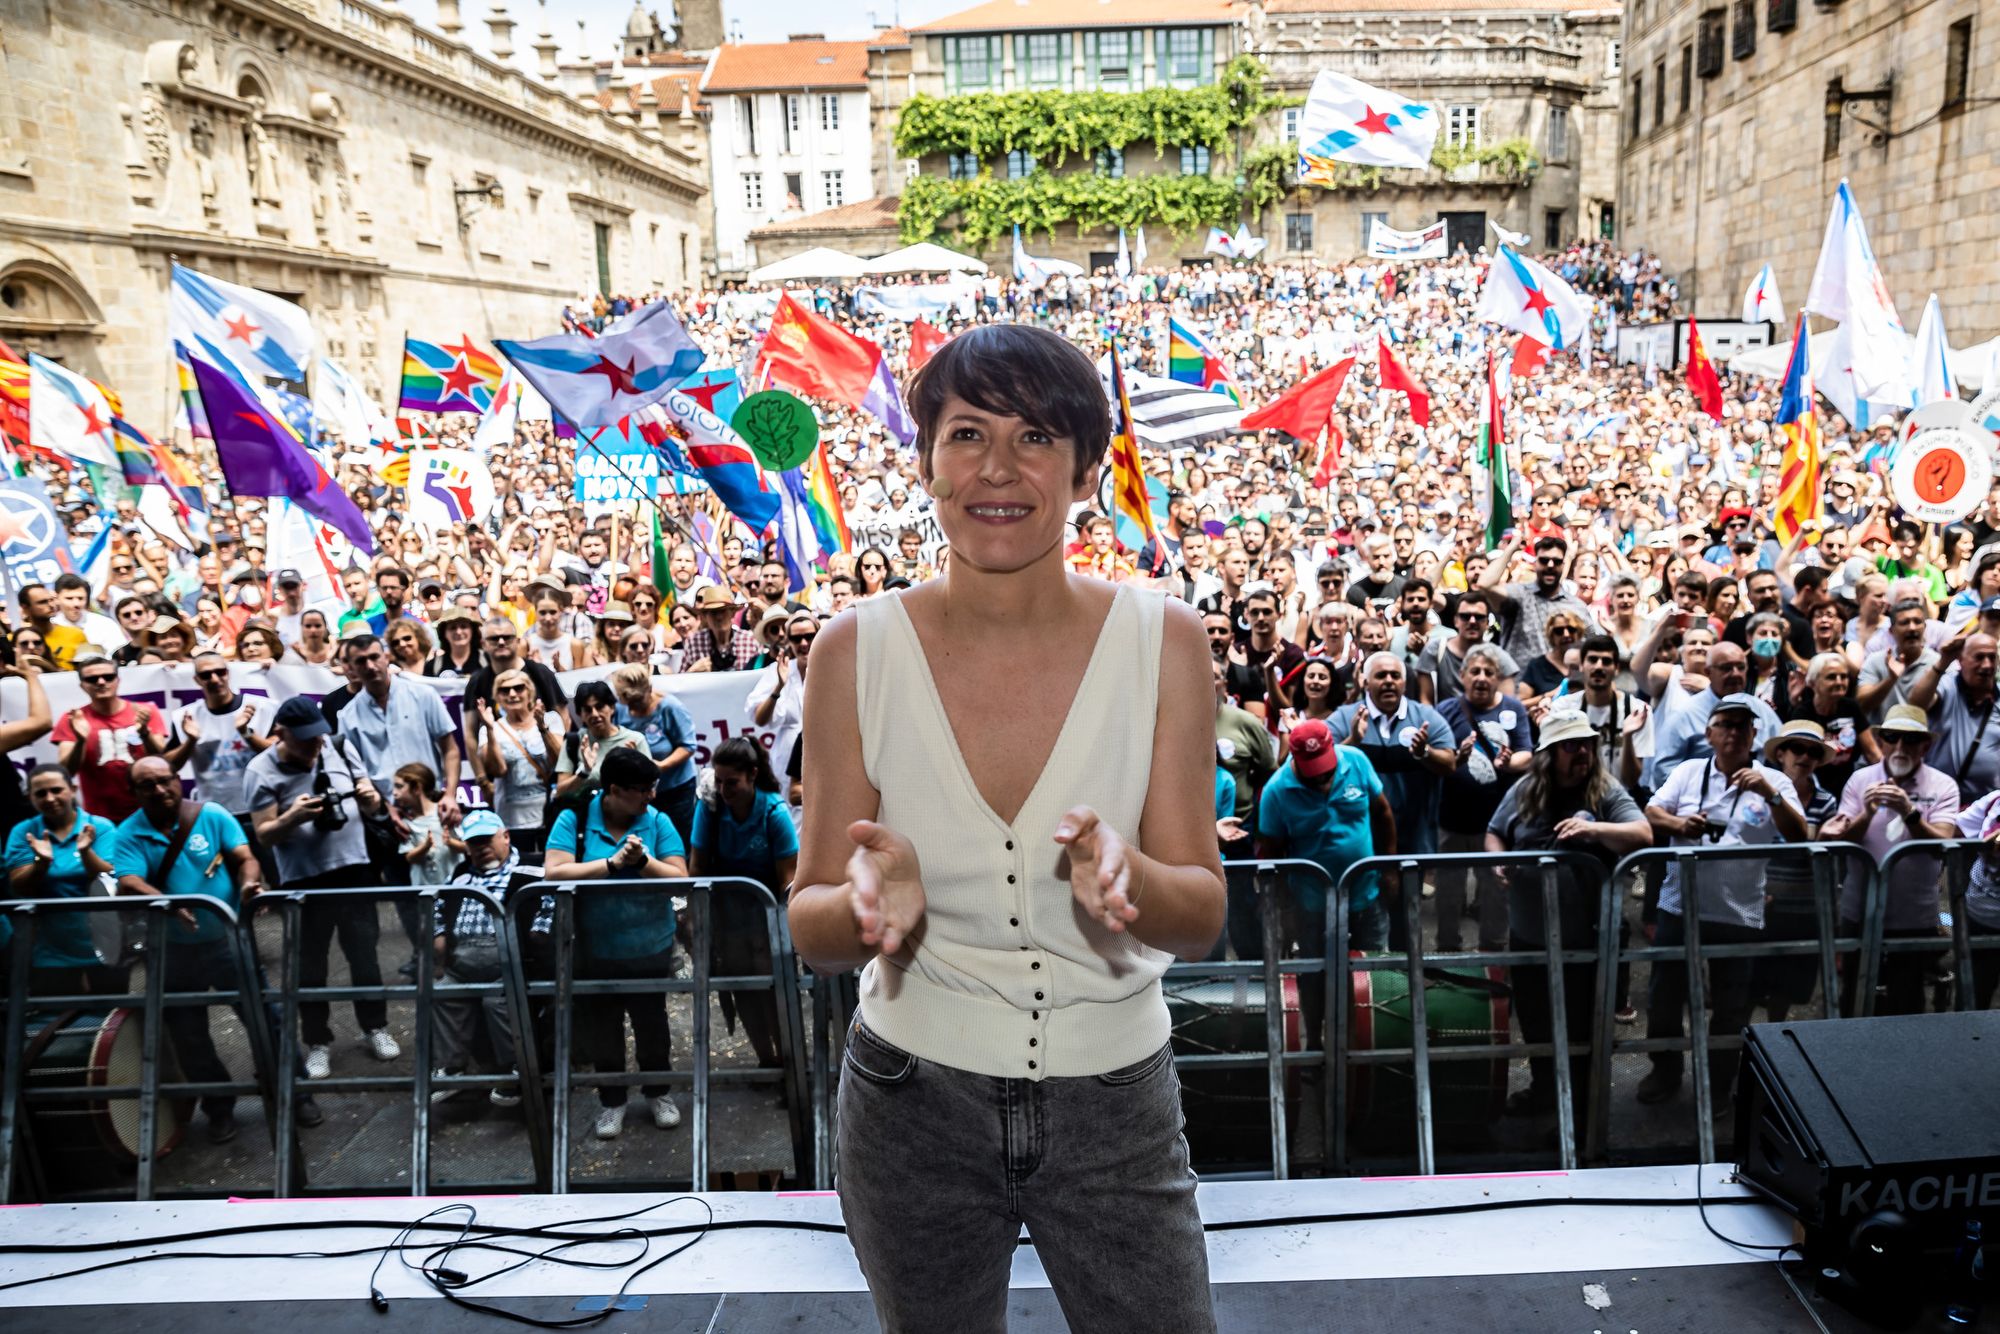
x=1346 y=120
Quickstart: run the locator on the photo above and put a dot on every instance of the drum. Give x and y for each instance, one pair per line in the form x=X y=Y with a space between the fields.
x=1463 y=1007
x=84 y=1143
x=1228 y=1111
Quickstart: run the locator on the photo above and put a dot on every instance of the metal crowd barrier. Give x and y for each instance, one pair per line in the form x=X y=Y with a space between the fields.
x=810 y=1049
x=1825 y=861
x=18 y=1153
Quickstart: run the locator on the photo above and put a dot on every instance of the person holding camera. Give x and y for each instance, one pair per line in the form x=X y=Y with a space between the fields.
x=308 y=807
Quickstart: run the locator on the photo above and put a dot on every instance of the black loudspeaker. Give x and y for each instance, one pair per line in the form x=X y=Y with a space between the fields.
x=1882 y=1137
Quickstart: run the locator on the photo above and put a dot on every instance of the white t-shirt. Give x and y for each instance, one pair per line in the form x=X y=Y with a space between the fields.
x=1729 y=891
x=220 y=753
x=522 y=793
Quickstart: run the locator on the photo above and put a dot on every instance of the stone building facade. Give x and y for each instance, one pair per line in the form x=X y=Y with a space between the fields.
x=1741 y=119
x=388 y=177
x=1542 y=73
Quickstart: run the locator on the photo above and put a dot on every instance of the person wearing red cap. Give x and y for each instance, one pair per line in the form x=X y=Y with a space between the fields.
x=1327 y=806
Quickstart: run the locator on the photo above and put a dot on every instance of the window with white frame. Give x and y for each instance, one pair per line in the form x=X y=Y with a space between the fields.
x=1558 y=134
x=746 y=125
x=972 y=64
x=1613 y=61
x=791 y=115
x=1194 y=161
x=1461 y=126
x=1111 y=59
x=832 y=191
x=829 y=112
x=1041 y=59
x=1369 y=222
x=753 y=190
x=1292 y=124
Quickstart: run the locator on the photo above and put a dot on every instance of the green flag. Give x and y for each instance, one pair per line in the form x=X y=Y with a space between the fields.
x=1495 y=492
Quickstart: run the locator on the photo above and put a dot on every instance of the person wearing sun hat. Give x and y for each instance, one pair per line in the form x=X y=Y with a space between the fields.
x=1882 y=806
x=1799 y=750
x=1326 y=805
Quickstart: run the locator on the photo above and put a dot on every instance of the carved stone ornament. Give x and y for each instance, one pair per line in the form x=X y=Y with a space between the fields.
x=155 y=129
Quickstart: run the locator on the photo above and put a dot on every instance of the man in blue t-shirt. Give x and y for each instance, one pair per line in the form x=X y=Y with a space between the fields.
x=1327 y=806
x=622 y=933
x=213 y=861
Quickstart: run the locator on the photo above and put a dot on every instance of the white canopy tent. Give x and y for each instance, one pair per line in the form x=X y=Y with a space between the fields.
x=819 y=262
x=926 y=257
x=1969 y=365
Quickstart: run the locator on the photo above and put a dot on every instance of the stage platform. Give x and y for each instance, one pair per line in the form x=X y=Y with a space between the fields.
x=1643 y=1262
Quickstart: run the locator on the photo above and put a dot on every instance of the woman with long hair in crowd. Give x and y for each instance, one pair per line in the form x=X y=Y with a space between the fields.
x=258 y=644
x=316 y=647
x=409 y=644
x=520 y=742
x=873 y=567
x=991 y=967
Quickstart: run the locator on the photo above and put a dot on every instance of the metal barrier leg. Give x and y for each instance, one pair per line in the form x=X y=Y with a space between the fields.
x=1959 y=870
x=1274 y=1017
x=1412 y=873
x=1697 y=1000
x=1552 y=949
x=290 y=1155
x=565 y=937
x=420 y=1043
x=1825 y=892
x=527 y=1049
x=701 y=902
x=11 y=1112
x=1610 y=920
x=149 y=1047
x=822 y=1025
x=1339 y=1002
x=791 y=1040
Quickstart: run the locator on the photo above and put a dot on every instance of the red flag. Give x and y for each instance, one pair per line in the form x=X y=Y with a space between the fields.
x=813 y=355
x=1329 y=457
x=925 y=339
x=1306 y=409
x=1529 y=357
x=1702 y=381
x=1395 y=377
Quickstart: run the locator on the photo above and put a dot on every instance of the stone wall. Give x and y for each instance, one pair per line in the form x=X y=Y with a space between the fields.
x=311 y=150
x=1744 y=178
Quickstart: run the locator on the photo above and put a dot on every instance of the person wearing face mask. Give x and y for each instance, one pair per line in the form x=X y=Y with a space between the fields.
x=1723 y=799
x=1680 y=720
x=1883 y=805
x=1771 y=671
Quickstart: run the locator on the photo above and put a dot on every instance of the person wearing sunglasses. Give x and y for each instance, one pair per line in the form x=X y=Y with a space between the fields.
x=1725 y=799
x=1525 y=608
x=778 y=700
x=1883 y=805
x=100 y=741
x=1567 y=800
x=219 y=735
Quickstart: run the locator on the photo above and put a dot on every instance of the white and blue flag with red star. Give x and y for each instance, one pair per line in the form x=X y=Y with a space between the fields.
x=1521 y=295
x=239 y=327
x=601 y=381
x=1346 y=120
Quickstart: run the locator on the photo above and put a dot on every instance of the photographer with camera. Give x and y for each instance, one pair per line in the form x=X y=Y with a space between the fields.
x=308 y=806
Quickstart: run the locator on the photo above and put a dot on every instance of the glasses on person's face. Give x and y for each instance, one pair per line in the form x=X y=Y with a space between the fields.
x=1470 y=616
x=1908 y=740
x=1549 y=562
x=1734 y=723
x=498 y=641
x=1797 y=752
x=513 y=690
x=121 y=569
x=99 y=678
x=213 y=674
x=1562 y=632
x=1574 y=746
x=800 y=641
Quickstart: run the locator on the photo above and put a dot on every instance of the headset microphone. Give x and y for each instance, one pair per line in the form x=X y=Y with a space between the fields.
x=941 y=488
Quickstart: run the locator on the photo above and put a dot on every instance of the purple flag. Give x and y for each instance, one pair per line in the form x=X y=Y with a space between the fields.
x=260 y=457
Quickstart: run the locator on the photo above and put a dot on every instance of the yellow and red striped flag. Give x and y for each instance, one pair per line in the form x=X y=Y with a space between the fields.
x=1128 y=478
x=1798 y=423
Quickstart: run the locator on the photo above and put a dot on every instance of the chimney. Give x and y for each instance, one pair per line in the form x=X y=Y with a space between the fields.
x=502 y=28
x=448 y=21
x=805 y=36
x=545 y=48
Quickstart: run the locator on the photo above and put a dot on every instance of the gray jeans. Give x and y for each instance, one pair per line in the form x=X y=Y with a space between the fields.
x=455 y=1019
x=939 y=1170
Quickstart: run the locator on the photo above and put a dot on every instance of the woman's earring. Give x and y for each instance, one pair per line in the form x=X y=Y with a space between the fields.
x=941 y=488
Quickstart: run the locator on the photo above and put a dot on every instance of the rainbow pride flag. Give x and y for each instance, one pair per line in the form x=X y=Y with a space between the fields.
x=827 y=519
x=1192 y=361
x=448 y=377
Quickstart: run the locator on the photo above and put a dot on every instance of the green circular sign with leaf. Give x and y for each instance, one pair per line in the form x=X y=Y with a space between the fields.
x=779 y=428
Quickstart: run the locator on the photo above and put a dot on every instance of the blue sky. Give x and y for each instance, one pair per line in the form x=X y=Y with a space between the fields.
x=758 y=20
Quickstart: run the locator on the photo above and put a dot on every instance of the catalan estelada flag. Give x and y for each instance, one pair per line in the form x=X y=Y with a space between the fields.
x=448 y=377
x=1798 y=426
x=1128 y=479
x=1192 y=361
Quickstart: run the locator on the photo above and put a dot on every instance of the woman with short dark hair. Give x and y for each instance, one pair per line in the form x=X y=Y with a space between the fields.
x=1013 y=830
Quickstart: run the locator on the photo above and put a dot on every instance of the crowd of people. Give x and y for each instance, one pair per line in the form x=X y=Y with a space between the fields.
x=1638 y=662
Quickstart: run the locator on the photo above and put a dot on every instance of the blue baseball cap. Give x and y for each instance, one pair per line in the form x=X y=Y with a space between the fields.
x=480 y=824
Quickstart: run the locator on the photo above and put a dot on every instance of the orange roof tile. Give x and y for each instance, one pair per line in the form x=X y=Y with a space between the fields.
x=1012 y=15
x=1392 y=7
x=742 y=67
x=862 y=215
x=667 y=87
x=889 y=37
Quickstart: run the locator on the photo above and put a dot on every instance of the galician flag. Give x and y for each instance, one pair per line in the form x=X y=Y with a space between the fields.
x=1847 y=286
x=1493 y=485
x=224 y=322
x=1346 y=120
x=1934 y=382
x=70 y=416
x=600 y=381
x=1521 y=295
x=1760 y=299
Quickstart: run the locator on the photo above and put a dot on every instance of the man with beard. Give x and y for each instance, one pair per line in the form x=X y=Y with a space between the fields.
x=1889 y=675
x=1193 y=582
x=1525 y=608
x=1440 y=660
x=1259 y=666
x=1882 y=806
x=1495 y=744
x=1376 y=591
x=1228 y=599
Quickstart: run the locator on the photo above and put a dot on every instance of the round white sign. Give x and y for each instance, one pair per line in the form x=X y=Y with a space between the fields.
x=1942 y=474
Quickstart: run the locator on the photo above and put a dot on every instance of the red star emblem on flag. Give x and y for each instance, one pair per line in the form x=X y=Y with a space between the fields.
x=618 y=377
x=459 y=382
x=94 y=424
x=1538 y=303
x=706 y=394
x=243 y=329
x=1374 y=122
x=463 y=349
x=13 y=527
